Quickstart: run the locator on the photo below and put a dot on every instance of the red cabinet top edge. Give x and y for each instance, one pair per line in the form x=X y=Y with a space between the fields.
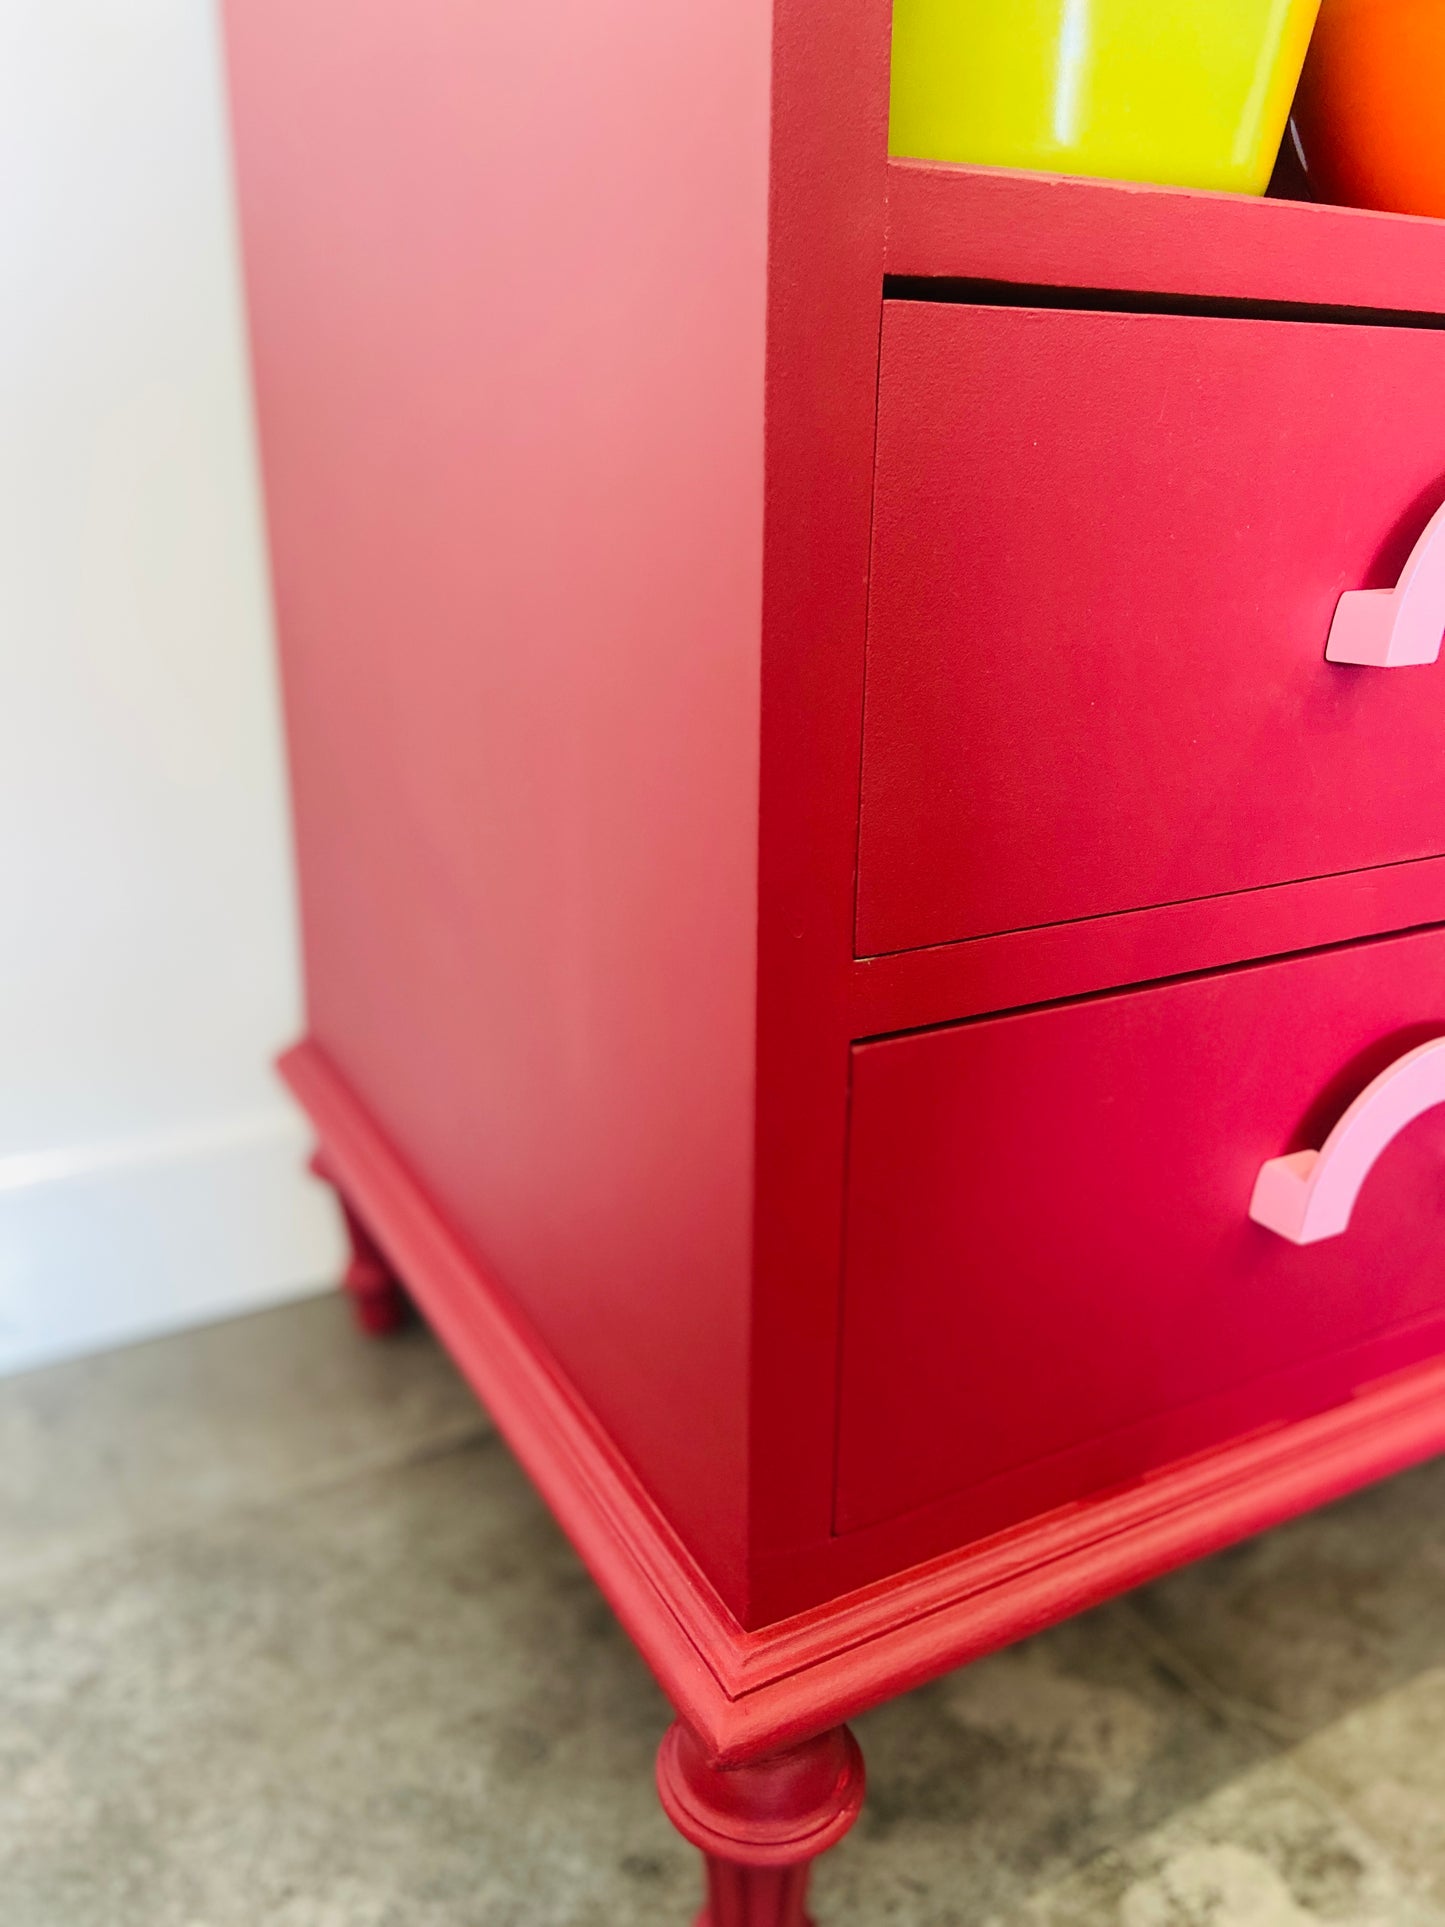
x=997 y=224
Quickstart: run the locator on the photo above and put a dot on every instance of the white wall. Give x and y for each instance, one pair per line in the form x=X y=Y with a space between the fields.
x=150 y=1170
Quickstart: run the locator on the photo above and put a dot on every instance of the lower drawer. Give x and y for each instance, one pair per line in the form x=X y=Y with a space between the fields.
x=1049 y=1243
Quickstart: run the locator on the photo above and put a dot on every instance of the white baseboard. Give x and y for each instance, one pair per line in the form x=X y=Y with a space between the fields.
x=101 y=1245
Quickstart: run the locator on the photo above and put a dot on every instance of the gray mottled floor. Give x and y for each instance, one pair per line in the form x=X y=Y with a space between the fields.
x=286 y=1638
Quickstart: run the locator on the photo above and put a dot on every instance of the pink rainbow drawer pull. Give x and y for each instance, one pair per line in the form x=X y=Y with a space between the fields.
x=1310 y=1195
x=1396 y=628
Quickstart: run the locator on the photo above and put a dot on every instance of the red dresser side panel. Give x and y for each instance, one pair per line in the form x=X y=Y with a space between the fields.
x=506 y=272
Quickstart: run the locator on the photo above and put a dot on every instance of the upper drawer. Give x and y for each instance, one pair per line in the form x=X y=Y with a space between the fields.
x=1107 y=550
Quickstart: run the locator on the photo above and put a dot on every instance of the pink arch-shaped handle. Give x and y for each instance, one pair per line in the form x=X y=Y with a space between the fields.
x=1396 y=628
x=1311 y=1194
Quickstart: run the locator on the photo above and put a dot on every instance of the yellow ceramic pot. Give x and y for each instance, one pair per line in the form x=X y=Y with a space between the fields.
x=1190 y=93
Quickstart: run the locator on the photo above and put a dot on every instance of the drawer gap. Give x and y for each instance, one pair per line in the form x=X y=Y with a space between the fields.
x=1148 y=983
x=1027 y=294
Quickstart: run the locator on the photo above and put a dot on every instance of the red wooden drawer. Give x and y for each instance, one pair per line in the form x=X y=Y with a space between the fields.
x=1107 y=549
x=1049 y=1262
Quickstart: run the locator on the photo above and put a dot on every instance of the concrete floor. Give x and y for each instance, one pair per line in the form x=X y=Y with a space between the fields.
x=287 y=1641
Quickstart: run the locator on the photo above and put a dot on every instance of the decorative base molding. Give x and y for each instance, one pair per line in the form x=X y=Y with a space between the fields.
x=103 y=1245
x=747 y=1694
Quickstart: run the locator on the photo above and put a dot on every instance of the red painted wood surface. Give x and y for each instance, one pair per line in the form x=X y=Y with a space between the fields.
x=506 y=277
x=825 y=255
x=915 y=988
x=510 y=390
x=761 y=1826
x=1107 y=551
x=566 y=333
x=876 y=1623
x=995 y=224
x=1048 y=1240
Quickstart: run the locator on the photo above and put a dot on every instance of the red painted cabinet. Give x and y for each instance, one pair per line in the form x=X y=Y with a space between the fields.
x=1107 y=549
x=830 y=849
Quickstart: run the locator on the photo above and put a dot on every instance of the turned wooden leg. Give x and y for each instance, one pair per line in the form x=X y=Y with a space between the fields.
x=761 y=1826
x=378 y=1298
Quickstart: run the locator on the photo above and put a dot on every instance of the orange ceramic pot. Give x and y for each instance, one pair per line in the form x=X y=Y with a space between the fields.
x=1369 y=110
